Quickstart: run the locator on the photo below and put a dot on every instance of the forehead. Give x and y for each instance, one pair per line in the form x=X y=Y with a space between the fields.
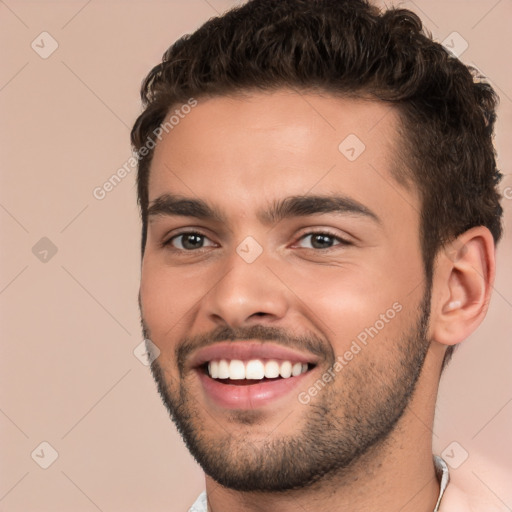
x=246 y=150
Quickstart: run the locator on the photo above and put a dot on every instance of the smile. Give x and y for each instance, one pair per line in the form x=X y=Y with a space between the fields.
x=249 y=375
x=255 y=369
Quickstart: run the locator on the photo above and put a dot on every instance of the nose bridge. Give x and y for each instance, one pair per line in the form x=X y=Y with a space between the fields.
x=247 y=288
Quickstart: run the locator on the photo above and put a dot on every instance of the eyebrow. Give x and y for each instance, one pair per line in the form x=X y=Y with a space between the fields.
x=171 y=205
x=301 y=206
x=289 y=207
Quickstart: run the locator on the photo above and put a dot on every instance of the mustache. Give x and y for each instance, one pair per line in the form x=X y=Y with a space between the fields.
x=306 y=343
x=310 y=343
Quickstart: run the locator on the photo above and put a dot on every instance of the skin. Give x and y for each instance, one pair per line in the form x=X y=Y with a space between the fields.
x=242 y=154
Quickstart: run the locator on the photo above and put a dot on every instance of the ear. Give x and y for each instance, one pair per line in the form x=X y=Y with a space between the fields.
x=462 y=285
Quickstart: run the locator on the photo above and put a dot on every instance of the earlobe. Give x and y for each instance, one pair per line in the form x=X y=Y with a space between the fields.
x=463 y=282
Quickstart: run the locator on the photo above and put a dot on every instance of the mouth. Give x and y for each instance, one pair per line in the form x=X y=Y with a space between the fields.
x=255 y=371
x=250 y=375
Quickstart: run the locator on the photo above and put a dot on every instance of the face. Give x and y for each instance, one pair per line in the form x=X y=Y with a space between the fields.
x=283 y=285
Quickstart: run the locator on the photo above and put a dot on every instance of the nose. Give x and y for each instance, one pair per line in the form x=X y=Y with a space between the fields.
x=247 y=293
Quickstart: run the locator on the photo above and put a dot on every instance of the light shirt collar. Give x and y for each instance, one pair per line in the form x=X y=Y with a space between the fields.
x=441 y=469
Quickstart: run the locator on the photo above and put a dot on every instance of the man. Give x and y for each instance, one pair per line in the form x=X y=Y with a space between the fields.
x=317 y=184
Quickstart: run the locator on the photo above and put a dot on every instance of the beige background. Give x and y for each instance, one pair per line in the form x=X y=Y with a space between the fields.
x=70 y=324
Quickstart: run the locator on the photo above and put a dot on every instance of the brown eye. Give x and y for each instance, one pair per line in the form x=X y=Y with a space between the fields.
x=190 y=241
x=320 y=241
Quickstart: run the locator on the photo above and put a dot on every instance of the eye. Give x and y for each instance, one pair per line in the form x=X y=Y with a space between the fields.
x=189 y=241
x=320 y=241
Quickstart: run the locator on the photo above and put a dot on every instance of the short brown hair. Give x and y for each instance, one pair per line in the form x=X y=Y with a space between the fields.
x=349 y=48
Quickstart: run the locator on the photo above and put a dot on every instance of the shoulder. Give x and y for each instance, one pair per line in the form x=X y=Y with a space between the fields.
x=455 y=500
x=485 y=490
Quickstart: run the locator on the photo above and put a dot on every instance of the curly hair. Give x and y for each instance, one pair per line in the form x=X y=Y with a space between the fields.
x=352 y=49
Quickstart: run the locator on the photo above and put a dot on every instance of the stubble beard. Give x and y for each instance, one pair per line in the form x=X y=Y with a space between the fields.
x=352 y=415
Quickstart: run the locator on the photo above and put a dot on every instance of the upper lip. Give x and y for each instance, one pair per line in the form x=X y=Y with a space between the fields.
x=247 y=350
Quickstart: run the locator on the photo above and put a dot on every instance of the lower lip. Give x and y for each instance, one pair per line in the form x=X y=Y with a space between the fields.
x=248 y=396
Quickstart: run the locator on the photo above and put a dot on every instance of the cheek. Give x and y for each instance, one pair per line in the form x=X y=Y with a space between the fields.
x=166 y=298
x=353 y=302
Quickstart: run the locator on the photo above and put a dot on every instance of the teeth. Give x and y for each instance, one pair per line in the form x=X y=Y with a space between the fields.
x=286 y=369
x=296 y=369
x=213 y=369
x=223 y=369
x=236 y=370
x=271 y=369
x=255 y=369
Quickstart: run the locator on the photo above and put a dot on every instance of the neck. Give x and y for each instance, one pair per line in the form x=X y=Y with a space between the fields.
x=396 y=475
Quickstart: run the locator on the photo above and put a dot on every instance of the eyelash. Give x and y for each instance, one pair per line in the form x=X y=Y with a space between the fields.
x=341 y=241
x=168 y=243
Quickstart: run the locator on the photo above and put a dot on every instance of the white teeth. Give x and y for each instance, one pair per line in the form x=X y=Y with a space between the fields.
x=223 y=369
x=271 y=369
x=296 y=369
x=213 y=369
x=286 y=369
x=236 y=369
x=255 y=369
